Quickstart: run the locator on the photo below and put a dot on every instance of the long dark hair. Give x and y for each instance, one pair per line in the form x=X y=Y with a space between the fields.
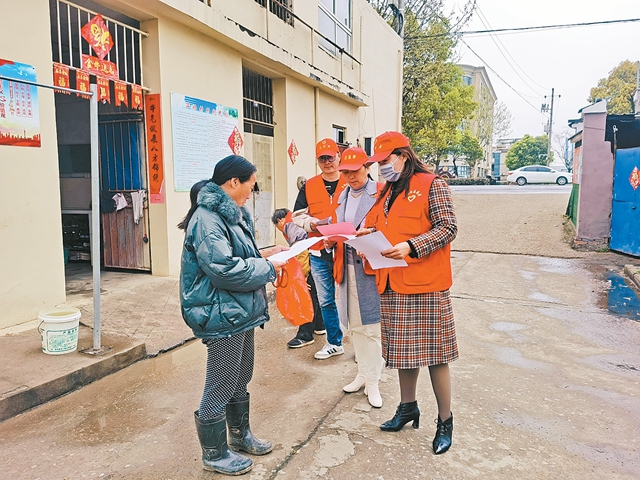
x=412 y=166
x=193 y=195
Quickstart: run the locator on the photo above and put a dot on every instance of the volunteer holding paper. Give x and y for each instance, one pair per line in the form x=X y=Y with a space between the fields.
x=415 y=212
x=358 y=299
x=317 y=201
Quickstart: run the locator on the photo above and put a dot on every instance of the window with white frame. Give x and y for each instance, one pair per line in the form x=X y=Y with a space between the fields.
x=334 y=22
x=340 y=135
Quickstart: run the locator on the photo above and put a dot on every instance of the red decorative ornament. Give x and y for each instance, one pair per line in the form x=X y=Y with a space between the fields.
x=82 y=83
x=104 y=91
x=61 y=77
x=102 y=68
x=293 y=152
x=235 y=141
x=97 y=34
x=120 y=91
x=136 y=97
x=634 y=179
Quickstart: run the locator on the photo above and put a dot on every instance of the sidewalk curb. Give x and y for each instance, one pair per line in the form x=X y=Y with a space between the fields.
x=633 y=272
x=23 y=400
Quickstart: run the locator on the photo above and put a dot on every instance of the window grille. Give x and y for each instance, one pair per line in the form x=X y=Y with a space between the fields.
x=67 y=20
x=257 y=102
x=283 y=9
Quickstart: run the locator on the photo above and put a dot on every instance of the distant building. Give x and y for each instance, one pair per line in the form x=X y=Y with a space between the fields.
x=480 y=125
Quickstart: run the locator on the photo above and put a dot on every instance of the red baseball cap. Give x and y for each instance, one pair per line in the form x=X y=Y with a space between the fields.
x=386 y=143
x=353 y=159
x=326 y=146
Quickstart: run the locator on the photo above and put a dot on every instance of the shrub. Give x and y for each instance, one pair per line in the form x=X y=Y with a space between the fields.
x=467 y=181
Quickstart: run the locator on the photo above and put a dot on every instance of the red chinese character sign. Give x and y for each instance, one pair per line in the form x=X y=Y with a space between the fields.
x=82 y=83
x=96 y=33
x=136 y=97
x=293 y=152
x=104 y=90
x=634 y=179
x=154 y=148
x=235 y=141
x=61 y=77
x=99 y=67
x=120 y=91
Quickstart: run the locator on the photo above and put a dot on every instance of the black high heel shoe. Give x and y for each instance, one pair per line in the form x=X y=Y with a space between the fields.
x=444 y=432
x=404 y=414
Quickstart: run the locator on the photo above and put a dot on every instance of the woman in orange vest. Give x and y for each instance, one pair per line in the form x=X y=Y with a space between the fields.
x=358 y=299
x=415 y=212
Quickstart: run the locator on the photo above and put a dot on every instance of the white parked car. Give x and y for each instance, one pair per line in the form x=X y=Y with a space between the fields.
x=538 y=174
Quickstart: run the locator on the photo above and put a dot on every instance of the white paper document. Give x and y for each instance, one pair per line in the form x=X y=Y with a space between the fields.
x=371 y=245
x=295 y=249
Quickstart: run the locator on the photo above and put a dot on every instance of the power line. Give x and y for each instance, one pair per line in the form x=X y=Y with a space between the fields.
x=525 y=29
x=498 y=75
x=503 y=50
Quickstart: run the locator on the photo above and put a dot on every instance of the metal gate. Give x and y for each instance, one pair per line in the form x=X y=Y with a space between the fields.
x=125 y=240
x=625 y=210
x=257 y=92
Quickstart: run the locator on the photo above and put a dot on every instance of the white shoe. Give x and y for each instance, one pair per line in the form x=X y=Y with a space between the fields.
x=356 y=385
x=329 y=351
x=373 y=394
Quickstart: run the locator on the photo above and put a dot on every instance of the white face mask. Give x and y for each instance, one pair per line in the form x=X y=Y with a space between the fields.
x=388 y=172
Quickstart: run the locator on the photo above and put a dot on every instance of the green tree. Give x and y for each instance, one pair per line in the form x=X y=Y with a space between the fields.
x=468 y=149
x=527 y=151
x=618 y=88
x=434 y=99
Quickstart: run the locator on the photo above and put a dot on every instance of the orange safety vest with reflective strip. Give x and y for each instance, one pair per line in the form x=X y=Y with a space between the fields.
x=321 y=204
x=409 y=218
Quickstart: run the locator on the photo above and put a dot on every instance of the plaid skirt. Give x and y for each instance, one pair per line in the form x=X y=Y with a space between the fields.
x=417 y=330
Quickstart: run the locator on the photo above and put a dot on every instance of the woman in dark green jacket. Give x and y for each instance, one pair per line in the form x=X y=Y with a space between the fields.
x=223 y=298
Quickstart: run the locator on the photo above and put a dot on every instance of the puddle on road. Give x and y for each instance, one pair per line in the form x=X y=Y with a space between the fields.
x=620 y=298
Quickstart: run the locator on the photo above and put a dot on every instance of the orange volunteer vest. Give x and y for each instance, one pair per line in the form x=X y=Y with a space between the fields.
x=321 y=204
x=409 y=218
x=339 y=252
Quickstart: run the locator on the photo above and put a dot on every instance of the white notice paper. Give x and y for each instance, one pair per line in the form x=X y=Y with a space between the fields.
x=371 y=245
x=295 y=249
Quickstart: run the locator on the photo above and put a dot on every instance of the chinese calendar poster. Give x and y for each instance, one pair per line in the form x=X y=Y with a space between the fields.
x=19 y=112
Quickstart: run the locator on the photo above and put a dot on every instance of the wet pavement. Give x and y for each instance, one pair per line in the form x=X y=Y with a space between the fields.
x=547 y=386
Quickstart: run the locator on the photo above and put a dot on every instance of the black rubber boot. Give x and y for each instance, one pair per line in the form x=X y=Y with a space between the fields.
x=216 y=455
x=404 y=414
x=240 y=436
x=444 y=432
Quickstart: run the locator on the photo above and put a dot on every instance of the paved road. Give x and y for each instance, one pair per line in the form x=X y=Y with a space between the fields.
x=546 y=387
x=511 y=189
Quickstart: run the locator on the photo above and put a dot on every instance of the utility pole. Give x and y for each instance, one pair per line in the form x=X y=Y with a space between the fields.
x=636 y=95
x=549 y=130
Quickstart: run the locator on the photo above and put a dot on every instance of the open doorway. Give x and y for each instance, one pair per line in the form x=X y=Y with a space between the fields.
x=123 y=180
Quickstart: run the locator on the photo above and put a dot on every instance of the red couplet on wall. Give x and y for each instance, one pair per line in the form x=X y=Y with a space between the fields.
x=154 y=147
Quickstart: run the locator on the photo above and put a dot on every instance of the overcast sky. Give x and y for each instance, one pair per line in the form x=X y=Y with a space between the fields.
x=571 y=60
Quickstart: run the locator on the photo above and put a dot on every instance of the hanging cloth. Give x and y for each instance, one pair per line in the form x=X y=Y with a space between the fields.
x=121 y=202
x=137 y=201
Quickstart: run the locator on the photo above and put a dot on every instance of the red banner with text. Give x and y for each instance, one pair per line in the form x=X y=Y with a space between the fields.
x=154 y=147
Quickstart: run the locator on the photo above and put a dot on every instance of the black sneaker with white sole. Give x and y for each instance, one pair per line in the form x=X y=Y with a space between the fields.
x=299 y=342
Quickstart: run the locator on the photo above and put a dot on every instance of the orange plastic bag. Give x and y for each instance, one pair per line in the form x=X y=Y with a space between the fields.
x=292 y=294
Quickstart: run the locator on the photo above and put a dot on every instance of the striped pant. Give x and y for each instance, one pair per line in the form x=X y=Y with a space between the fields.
x=229 y=370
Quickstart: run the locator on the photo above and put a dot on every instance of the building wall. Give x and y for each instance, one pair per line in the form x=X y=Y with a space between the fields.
x=195 y=50
x=596 y=180
x=31 y=254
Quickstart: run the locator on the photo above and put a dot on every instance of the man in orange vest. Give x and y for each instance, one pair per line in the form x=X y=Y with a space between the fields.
x=317 y=201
